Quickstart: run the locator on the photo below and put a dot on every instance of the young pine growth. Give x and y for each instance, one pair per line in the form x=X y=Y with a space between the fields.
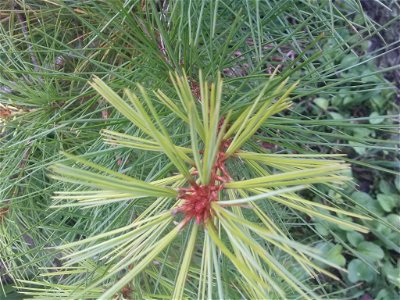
x=204 y=231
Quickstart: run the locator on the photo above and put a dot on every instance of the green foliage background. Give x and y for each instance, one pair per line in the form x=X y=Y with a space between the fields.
x=50 y=50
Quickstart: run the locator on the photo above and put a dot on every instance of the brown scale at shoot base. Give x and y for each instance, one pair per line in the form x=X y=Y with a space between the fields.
x=197 y=198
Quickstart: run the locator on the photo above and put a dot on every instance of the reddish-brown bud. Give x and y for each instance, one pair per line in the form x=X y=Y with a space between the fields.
x=197 y=198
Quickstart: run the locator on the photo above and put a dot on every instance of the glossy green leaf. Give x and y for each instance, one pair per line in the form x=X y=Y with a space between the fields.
x=354 y=238
x=360 y=271
x=388 y=201
x=370 y=250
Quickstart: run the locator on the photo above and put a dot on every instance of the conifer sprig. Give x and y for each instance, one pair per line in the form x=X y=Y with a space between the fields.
x=208 y=199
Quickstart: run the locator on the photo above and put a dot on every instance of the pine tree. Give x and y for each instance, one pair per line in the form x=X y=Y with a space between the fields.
x=161 y=149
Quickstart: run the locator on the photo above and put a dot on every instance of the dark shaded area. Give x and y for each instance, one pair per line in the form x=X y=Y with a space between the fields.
x=391 y=34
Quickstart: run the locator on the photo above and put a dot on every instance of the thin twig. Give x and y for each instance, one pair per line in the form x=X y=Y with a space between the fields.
x=163 y=17
x=22 y=20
